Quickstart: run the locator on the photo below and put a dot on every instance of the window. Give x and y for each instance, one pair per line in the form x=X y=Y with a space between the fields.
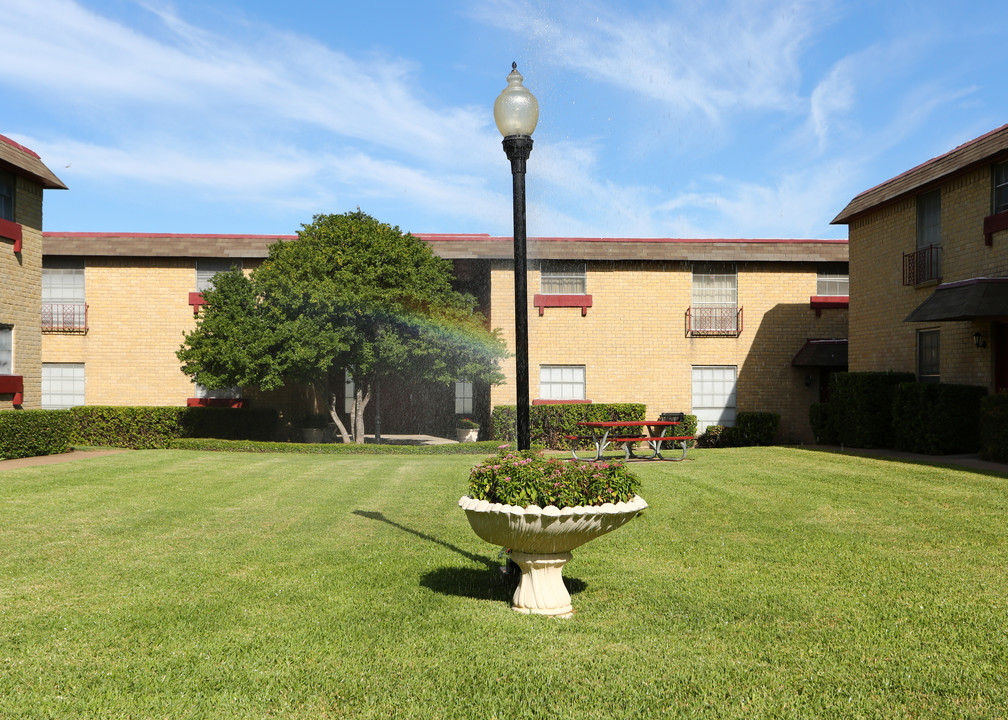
x=6 y=350
x=1000 y=187
x=231 y=393
x=929 y=219
x=563 y=277
x=832 y=280
x=928 y=356
x=348 y=392
x=463 y=397
x=8 y=187
x=207 y=268
x=715 y=300
x=63 y=308
x=714 y=395
x=62 y=385
x=562 y=382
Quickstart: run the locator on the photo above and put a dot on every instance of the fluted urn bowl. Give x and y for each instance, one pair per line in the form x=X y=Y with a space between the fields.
x=541 y=541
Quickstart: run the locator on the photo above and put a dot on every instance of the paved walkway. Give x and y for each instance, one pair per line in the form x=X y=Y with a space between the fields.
x=53 y=459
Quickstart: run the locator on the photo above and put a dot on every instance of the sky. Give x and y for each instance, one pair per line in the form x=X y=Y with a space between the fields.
x=685 y=118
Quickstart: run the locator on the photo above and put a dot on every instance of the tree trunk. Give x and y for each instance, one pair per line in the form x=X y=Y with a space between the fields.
x=333 y=400
x=361 y=398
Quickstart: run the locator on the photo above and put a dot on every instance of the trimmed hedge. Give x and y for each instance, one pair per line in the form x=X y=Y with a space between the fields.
x=861 y=407
x=821 y=416
x=751 y=428
x=29 y=433
x=937 y=418
x=994 y=428
x=549 y=423
x=154 y=427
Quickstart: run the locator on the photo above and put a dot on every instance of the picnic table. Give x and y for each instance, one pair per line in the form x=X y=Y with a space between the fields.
x=657 y=429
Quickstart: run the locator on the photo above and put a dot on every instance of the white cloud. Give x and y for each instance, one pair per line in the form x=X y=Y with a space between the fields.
x=693 y=56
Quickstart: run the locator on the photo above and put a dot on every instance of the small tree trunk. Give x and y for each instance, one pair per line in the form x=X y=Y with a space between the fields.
x=361 y=398
x=333 y=400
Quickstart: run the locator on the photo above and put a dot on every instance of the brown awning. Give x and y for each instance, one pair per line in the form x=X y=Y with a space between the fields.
x=822 y=353
x=964 y=300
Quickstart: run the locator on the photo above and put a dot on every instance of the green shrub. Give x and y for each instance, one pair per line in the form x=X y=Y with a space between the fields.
x=937 y=418
x=994 y=428
x=155 y=427
x=711 y=437
x=755 y=428
x=823 y=424
x=549 y=423
x=29 y=433
x=466 y=424
x=526 y=477
x=861 y=407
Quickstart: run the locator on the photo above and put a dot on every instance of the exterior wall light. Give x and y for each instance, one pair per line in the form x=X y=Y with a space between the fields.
x=978 y=340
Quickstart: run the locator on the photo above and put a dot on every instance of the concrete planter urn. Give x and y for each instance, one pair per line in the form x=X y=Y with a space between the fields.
x=467 y=434
x=541 y=541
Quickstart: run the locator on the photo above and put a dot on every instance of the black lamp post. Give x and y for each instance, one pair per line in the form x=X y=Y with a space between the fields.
x=516 y=113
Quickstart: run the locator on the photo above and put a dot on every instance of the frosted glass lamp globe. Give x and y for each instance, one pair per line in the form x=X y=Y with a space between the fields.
x=516 y=111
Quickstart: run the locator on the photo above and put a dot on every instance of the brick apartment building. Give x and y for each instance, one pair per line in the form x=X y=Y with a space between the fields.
x=929 y=268
x=708 y=326
x=23 y=177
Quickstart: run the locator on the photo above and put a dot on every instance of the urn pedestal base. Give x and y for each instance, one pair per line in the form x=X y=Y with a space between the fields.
x=541 y=590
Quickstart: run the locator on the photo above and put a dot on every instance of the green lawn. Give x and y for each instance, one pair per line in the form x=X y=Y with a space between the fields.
x=760 y=583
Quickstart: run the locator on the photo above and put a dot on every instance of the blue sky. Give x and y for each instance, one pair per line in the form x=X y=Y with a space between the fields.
x=657 y=119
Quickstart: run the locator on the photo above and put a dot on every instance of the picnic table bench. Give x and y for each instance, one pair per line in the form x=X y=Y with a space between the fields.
x=656 y=436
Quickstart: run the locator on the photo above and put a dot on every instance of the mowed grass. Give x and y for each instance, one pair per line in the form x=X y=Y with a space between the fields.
x=761 y=582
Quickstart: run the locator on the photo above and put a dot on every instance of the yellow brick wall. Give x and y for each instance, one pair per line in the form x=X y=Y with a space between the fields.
x=138 y=313
x=879 y=339
x=21 y=292
x=634 y=347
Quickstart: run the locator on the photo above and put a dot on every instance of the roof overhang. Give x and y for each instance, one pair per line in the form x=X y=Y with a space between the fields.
x=25 y=161
x=822 y=353
x=964 y=300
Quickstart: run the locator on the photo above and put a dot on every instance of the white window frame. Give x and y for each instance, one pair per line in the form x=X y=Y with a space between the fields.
x=208 y=268
x=714 y=299
x=563 y=382
x=63 y=385
x=64 y=300
x=6 y=349
x=229 y=393
x=563 y=277
x=832 y=280
x=714 y=395
x=463 y=397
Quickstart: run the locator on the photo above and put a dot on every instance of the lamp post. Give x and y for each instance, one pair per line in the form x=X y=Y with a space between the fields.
x=516 y=113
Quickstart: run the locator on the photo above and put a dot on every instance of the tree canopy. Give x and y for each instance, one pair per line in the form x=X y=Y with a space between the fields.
x=350 y=293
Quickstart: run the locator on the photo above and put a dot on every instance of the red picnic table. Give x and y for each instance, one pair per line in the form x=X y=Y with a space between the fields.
x=657 y=430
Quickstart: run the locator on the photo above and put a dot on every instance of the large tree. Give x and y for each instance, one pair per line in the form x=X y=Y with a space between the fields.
x=350 y=293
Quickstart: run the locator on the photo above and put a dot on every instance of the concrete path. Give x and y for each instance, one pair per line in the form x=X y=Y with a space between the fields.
x=53 y=459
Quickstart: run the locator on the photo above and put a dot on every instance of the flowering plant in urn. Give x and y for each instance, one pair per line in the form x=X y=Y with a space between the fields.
x=542 y=509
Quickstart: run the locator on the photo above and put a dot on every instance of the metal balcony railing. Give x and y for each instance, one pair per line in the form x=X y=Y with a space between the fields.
x=922 y=265
x=64 y=318
x=714 y=321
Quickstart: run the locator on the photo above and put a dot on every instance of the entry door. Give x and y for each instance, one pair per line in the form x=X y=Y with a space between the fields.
x=999 y=332
x=714 y=395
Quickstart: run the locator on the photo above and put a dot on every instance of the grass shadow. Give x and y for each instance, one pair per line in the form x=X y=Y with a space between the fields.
x=483 y=583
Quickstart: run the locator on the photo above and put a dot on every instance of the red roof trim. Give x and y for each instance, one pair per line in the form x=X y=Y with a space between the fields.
x=19 y=146
x=439 y=237
x=178 y=236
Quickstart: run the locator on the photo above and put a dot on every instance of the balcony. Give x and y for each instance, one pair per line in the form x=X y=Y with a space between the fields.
x=714 y=321
x=64 y=318
x=923 y=265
